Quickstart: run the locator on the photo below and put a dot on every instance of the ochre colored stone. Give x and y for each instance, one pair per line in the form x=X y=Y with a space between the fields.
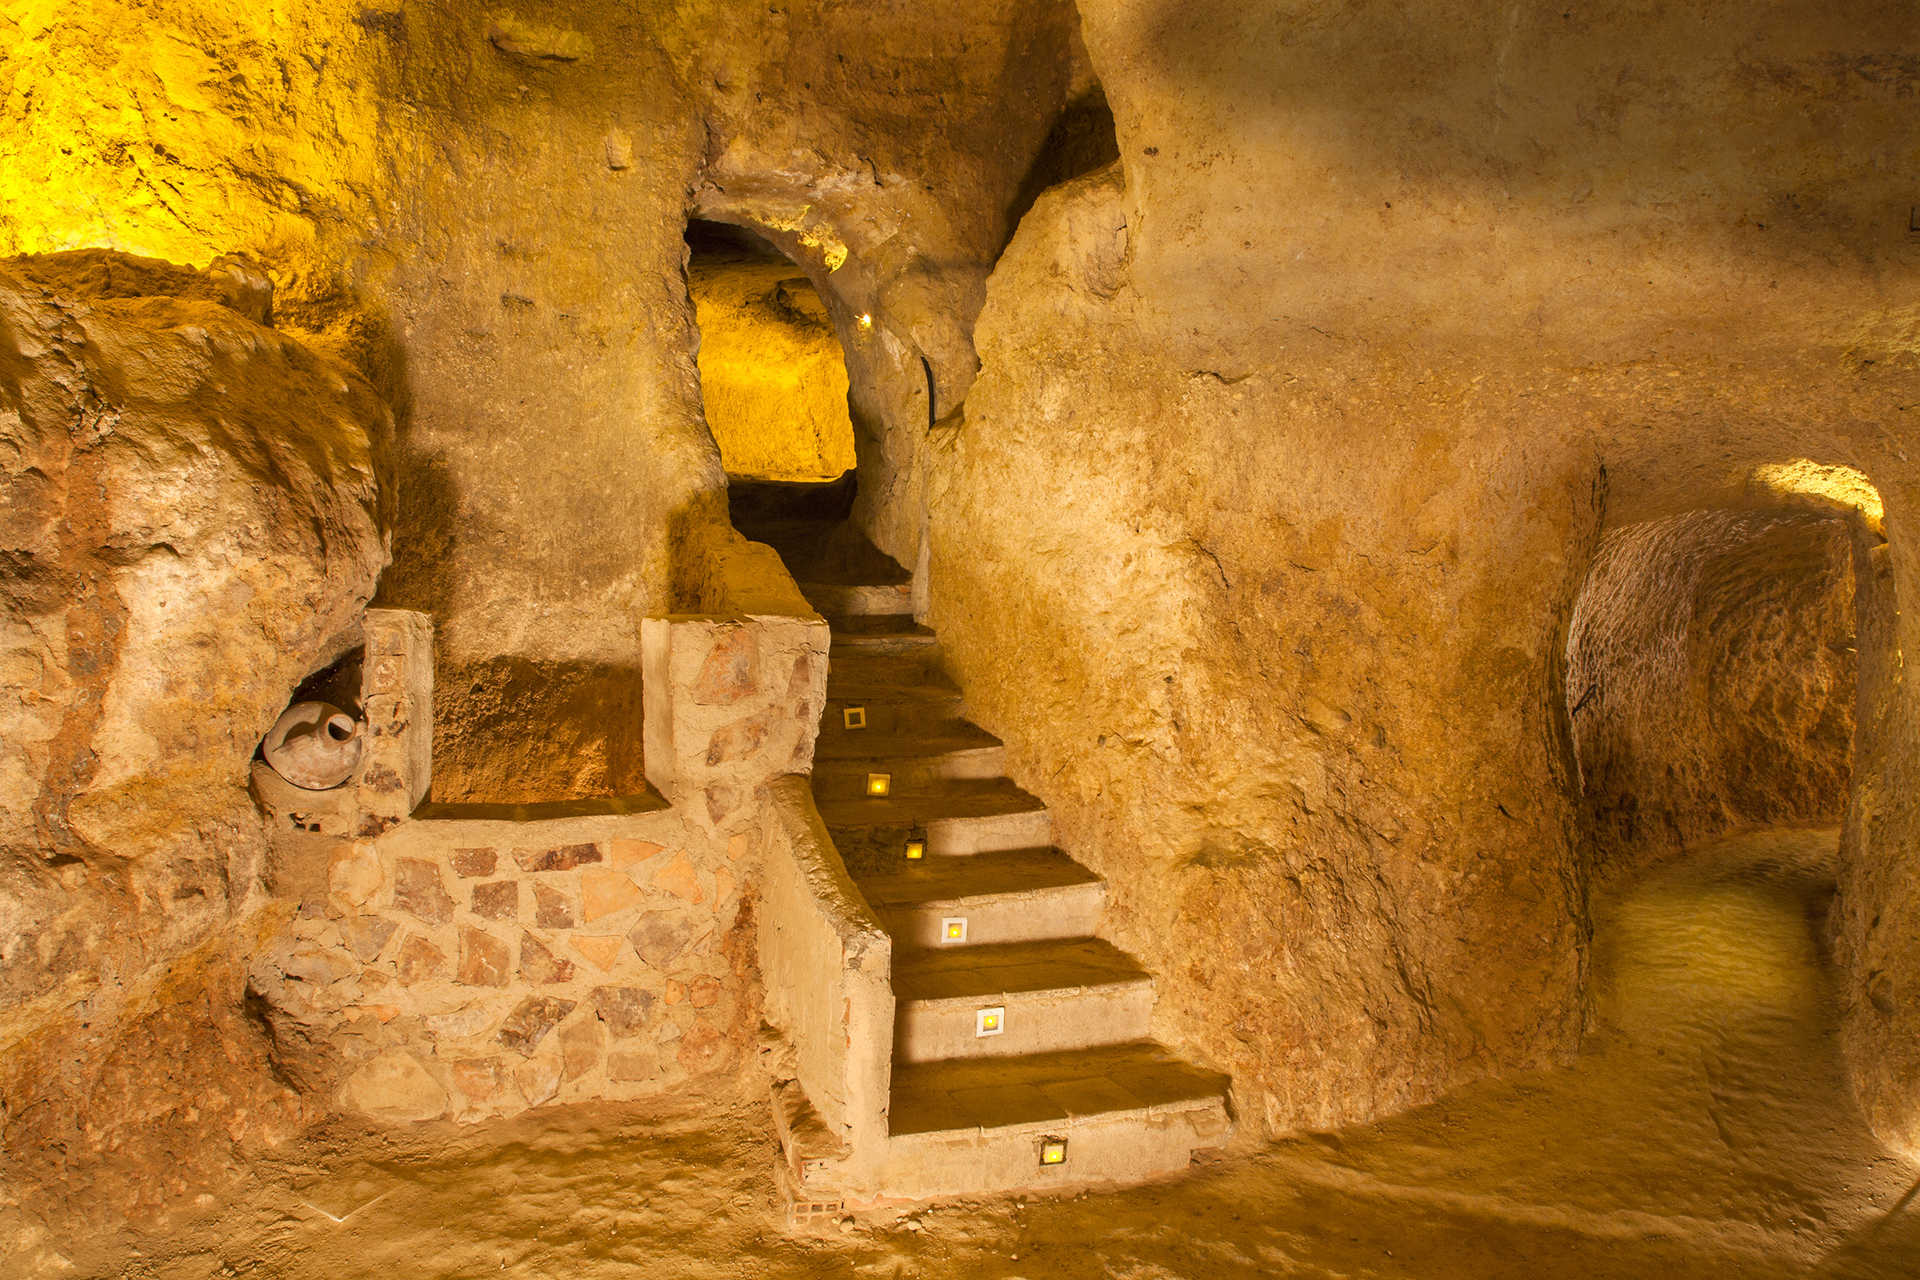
x=354 y=874
x=676 y=991
x=739 y=740
x=480 y=1079
x=484 y=959
x=394 y=1086
x=605 y=892
x=727 y=674
x=530 y=1021
x=499 y=900
x=538 y=1078
x=539 y=965
x=552 y=906
x=703 y=1049
x=472 y=864
x=564 y=858
x=659 y=937
x=631 y=853
x=582 y=1042
x=368 y=935
x=625 y=1010
x=417 y=889
x=419 y=961
x=704 y=992
x=602 y=950
x=737 y=846
x=634 y=1066
x=680 y=879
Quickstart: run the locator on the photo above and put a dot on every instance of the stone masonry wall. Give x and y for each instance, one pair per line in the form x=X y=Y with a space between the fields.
x=471 y=969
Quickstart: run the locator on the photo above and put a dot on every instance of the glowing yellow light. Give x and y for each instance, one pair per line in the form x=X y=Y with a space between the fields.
x=1053 y=1151
x=916 y=850
x=1840 y=485
x=866 y=321
x=879 y=784
x=855 y=717
x=990 y=1022
x=954 y=929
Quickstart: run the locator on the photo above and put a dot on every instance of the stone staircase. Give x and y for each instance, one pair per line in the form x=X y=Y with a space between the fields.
x=1022 y=1057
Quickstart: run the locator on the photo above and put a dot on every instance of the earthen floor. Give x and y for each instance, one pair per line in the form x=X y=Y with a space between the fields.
x=1704 y=1131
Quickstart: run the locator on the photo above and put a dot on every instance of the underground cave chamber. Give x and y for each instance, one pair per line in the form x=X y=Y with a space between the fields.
x=1096 y=639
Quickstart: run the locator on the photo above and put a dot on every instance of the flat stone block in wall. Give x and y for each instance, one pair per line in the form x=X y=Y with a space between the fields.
x=484 y=960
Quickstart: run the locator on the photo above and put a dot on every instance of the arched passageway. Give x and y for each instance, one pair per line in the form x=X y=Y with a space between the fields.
x=1710 y=678
x=773 y=378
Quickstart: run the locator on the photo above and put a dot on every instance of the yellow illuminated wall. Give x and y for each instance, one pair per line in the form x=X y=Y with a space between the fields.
x=772 y=374
x=193 y=129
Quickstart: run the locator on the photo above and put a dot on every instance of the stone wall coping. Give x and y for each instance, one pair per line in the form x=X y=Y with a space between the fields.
x=868 y=945
x=559 y=821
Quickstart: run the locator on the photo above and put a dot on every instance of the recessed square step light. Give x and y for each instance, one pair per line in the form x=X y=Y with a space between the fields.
x=854 y=717
x=916 y=848
x=1053 y=1151
x=990 y=1022
x=879 y=784
x=953 y=929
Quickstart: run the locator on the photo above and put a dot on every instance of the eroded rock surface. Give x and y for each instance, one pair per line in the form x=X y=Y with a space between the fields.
x=191 y=519
x=1711 y=678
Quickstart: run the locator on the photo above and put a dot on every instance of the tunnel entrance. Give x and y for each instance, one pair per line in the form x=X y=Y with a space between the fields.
x=1710 y=679
x=773 y=377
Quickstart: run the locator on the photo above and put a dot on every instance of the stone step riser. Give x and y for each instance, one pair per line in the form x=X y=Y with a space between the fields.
x=1072 y=911
x=893 y=716
x=1032 y=829
x=864 y=601
x=902 y=646
x=1032 y=1022
x=1111 y=1147
x=845 y=779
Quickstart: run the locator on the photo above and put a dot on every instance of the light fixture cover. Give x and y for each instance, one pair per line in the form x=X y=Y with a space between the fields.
x=1053 y=1151
x=953 y=929
x=990 y=1022
x=854 y=717
x=916 y=849
x=879 y=784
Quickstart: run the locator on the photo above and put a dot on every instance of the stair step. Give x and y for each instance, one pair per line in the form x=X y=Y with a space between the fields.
x=848 y=778
x=858 y=629
x=898 y=718
x=887 y=677
x=903 y=639
x=1013 y=895
x=1128 y=1112
x=961 y=815
x=859 y=598
x=934 y=738
x=1140 y=1076
x=1053 y=995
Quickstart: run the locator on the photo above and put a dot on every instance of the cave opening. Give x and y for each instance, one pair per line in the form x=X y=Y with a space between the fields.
x=776 y=386
x=773 y=375
x=1710 y=679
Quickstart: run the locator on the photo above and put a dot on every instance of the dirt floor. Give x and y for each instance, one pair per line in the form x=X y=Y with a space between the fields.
x=1704 y=1131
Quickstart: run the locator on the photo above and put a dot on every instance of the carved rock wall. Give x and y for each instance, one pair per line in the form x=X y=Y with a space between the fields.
x=192 y=520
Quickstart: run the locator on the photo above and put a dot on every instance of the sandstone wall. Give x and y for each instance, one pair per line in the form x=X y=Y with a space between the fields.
x=1260 y=533
x=1710 y=679
x=192 y=523
x=485 y=210
x=773 y=380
